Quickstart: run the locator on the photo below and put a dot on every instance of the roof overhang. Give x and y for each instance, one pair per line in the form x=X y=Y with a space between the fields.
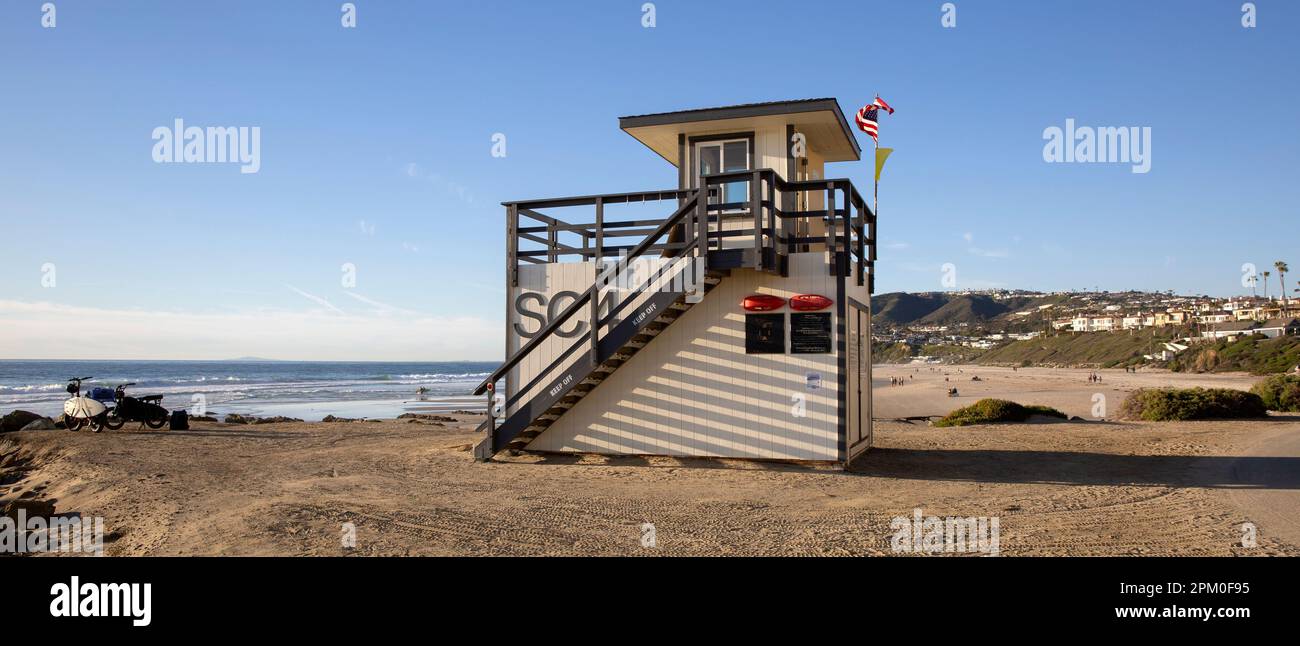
x=820 y=120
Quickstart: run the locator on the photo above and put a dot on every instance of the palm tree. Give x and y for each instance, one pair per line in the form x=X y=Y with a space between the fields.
x=1266 y=275
x=1281 y=278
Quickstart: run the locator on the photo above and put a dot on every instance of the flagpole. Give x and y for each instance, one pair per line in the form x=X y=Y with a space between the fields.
x=875 y=176
x=875 y=173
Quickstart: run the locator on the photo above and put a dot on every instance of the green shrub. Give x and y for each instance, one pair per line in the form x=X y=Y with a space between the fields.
x=1176 y=404
x=1280 y=393
x=989 y=411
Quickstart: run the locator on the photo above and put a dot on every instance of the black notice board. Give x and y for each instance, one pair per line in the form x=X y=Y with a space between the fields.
x=810 y=333
x=764 y=334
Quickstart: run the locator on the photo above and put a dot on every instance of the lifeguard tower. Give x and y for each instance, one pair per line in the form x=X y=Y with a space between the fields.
x=737 y=326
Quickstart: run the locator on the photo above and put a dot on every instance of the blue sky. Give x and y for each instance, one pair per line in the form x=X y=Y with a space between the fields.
x=376 y=148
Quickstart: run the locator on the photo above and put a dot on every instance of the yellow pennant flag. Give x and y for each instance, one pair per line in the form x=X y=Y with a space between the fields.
x=881 y=155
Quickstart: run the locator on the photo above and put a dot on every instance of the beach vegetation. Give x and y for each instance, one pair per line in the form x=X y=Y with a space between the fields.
x=993 y=411
x=1280 y=393
x=1181 y=404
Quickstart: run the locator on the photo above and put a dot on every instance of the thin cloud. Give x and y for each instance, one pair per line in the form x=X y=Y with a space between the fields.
x=380 y=307
x=447 y=185
x=315 y=299
x=988 y=253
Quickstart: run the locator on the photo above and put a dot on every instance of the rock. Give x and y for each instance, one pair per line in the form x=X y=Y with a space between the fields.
x=42 y=424
x=425 y=417
x=17 y=420
x=8 y=459
x=331 y=418
x=423 y=422
x=203 y=418
x=33 y=507
x=238 y=419
x=278 y=419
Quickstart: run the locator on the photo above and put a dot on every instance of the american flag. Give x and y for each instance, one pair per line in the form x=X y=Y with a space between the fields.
x=867 y=117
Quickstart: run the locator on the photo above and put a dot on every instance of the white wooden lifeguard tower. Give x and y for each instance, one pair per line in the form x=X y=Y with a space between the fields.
x=738 y=326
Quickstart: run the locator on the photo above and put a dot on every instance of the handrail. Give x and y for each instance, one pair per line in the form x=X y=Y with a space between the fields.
x=587 y=295
x=608 y=198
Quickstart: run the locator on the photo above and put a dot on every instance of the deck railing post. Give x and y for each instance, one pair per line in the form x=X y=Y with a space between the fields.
x=512 y=245
x=551 y=240
x=599 y=261
x=830 y=229
x=702 y=223
x=862 y=242
x=754 y=201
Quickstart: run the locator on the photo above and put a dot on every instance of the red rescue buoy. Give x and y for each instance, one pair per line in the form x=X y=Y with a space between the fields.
x=762 y=303
x=809 y=302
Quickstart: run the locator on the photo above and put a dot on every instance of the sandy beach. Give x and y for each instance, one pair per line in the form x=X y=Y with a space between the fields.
x=1065 y=389
x=412 y=488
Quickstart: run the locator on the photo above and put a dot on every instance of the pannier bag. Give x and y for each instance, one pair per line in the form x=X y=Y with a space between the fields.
x=180 y=420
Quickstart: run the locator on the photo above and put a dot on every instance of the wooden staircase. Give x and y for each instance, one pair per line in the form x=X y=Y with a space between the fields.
x=659 y=312
x=593 y=357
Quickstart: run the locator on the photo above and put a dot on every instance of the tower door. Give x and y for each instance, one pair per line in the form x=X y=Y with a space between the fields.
x=858 y=367
x=721 y=156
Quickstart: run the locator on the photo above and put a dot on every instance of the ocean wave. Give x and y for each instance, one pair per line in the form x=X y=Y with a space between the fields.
x=440 y=376
x=33 y=388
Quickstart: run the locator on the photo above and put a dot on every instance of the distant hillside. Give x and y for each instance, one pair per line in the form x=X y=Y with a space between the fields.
x=974 y=308
x=901 y=308
x=938 y=308
x=1092 y=349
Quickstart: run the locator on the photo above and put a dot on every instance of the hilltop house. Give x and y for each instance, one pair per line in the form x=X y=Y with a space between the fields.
x=1274 y=328
x=1230 y=330
x=1271 y=328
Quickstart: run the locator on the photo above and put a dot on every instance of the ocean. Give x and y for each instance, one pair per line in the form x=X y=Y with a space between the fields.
x=308 y=390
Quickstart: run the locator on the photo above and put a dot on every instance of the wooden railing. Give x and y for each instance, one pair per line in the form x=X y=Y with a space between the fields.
x=850 y=225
